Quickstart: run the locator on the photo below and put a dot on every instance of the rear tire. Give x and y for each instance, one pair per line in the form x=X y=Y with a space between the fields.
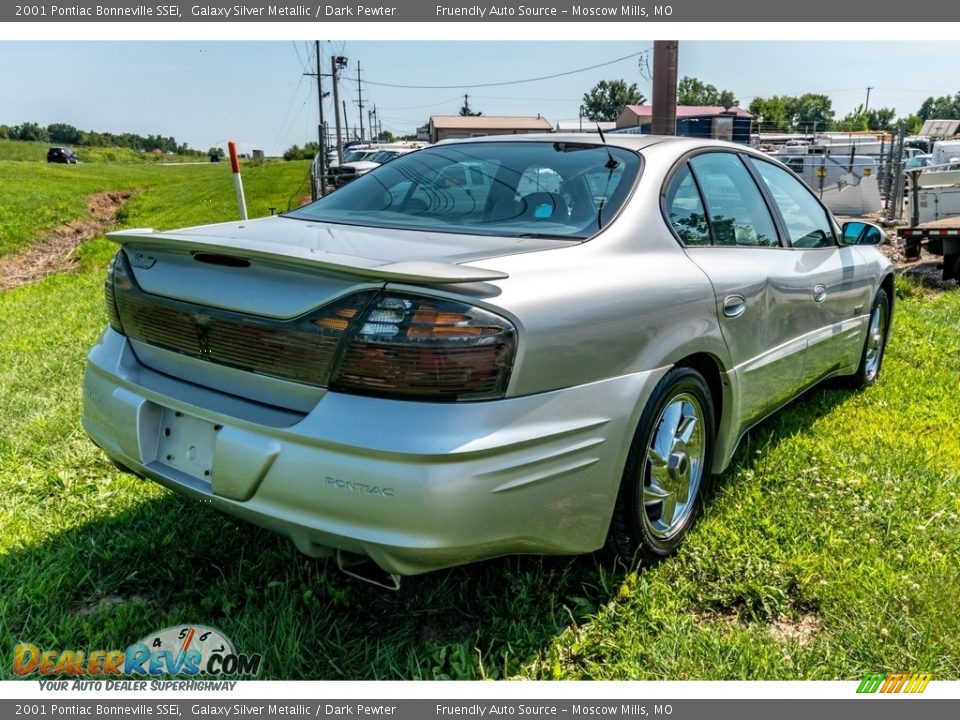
x=667 y=470
x=871 y=358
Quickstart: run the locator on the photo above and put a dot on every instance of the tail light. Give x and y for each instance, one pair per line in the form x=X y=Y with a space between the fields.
x=117 y=277
x=422 y=348
x=392 y=344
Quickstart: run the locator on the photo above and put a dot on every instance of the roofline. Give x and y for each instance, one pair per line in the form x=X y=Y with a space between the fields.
x=624 y=140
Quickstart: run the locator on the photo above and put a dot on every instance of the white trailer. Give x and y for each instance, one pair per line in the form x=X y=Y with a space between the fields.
x=847 y=185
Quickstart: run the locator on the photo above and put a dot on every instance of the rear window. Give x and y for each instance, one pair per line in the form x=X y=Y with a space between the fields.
x=535 y=189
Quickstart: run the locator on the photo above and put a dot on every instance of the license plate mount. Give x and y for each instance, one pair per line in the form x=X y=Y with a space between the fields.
x=186 y=444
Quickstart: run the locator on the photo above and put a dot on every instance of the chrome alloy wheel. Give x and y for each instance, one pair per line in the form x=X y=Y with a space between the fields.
x=876 y=337
x=674 y=466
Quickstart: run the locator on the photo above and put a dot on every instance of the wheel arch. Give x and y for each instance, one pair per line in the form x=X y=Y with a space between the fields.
x=889 y=286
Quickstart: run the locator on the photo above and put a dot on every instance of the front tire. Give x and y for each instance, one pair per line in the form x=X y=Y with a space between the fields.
x=871 y=359
x=667 y=470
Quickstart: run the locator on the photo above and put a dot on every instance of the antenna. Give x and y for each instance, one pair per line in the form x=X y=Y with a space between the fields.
x=611 y=163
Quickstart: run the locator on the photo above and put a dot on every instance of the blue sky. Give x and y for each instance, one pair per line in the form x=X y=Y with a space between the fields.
x=206 y=92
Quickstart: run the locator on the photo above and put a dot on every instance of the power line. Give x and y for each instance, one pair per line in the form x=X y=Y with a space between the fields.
x=501 y=84
x=428 y=105
x=521 y=97
x=303 y=65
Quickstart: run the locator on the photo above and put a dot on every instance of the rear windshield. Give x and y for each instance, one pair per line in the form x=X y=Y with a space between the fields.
x=532 y=189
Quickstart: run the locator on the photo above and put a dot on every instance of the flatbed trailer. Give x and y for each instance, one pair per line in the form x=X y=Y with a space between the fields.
x=942 y=237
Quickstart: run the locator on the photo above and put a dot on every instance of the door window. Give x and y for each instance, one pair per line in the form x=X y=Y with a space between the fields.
x=737 y=210
x=807 y=223
x=685 y=210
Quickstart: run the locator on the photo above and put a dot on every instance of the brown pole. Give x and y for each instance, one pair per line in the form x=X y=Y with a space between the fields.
x=664 y=87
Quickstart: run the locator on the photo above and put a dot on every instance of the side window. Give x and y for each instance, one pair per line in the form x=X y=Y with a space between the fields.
x=807 y=223
x=795 y=164
x=685 y=210
x=737 y=210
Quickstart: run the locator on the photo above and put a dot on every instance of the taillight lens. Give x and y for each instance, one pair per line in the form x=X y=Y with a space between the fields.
x=392 y=345
x=118 y=276
x=427 y=348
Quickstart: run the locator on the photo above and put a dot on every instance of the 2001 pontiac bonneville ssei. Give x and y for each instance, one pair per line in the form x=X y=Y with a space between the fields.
x=524 y=345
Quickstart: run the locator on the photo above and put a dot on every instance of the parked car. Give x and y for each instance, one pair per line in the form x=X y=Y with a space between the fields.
x=917 y=162
x=441 y=363
x=61 y=155
x=363 y=161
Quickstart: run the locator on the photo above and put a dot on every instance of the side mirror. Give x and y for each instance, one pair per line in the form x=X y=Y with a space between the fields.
x=861 y=233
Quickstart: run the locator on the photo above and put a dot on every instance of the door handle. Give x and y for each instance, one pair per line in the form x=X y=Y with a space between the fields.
x=820 y=293
x=734 y=306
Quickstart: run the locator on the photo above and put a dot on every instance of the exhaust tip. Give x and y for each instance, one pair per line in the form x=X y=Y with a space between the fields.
x=363 y=568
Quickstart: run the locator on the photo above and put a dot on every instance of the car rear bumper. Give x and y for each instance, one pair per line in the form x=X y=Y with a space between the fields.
x=414 y=486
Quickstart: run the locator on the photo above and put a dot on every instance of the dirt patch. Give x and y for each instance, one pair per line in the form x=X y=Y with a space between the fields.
x=801 y=629
x=107 y=604
x=54 y=251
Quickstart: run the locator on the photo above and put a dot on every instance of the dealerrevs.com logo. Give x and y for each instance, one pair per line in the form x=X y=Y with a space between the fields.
x=189 y=650
x=894 y=683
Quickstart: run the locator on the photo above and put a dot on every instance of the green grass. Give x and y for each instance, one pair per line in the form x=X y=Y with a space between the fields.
x=839 y=514
x=36 y=196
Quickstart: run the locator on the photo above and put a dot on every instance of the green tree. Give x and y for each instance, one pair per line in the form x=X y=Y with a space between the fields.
x=881 y=119
x=218 y=151
x=608 y=97
x=913 y=123
x=4 y=132
x=770 y=113
x=466 y=110
x=857 y=121
x=295 y=152
x=64 y=133
x=811 y=112
x=691 y=91
x=386 y=136
x=941 y=108
x=29 y=131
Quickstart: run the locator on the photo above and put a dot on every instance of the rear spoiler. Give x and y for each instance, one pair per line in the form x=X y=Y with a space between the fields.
x=418 y=271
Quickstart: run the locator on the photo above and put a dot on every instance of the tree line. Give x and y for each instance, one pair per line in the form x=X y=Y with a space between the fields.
x=810 y=112
x=65 y=134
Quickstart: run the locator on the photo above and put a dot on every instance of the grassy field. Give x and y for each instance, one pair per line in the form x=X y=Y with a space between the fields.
x=37 y=152
x=36 y=196
x=828 y=550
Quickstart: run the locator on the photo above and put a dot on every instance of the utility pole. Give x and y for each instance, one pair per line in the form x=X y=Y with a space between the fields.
x=360 y=100
x=337 y=62
x=346 y=127
x=320 y=133
x=866 y=105
x=321 y=129
x=664 y=87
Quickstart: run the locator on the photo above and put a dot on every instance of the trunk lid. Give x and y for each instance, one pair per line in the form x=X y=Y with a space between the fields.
x=317 y=253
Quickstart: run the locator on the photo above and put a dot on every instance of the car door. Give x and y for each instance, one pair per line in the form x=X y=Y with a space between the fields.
x=838 y=288
x=720 y=214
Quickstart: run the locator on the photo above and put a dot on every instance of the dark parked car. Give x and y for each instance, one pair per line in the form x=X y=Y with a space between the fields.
x=61 y=155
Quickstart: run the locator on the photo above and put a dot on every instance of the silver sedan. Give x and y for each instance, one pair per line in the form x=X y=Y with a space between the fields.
x=534 y=344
